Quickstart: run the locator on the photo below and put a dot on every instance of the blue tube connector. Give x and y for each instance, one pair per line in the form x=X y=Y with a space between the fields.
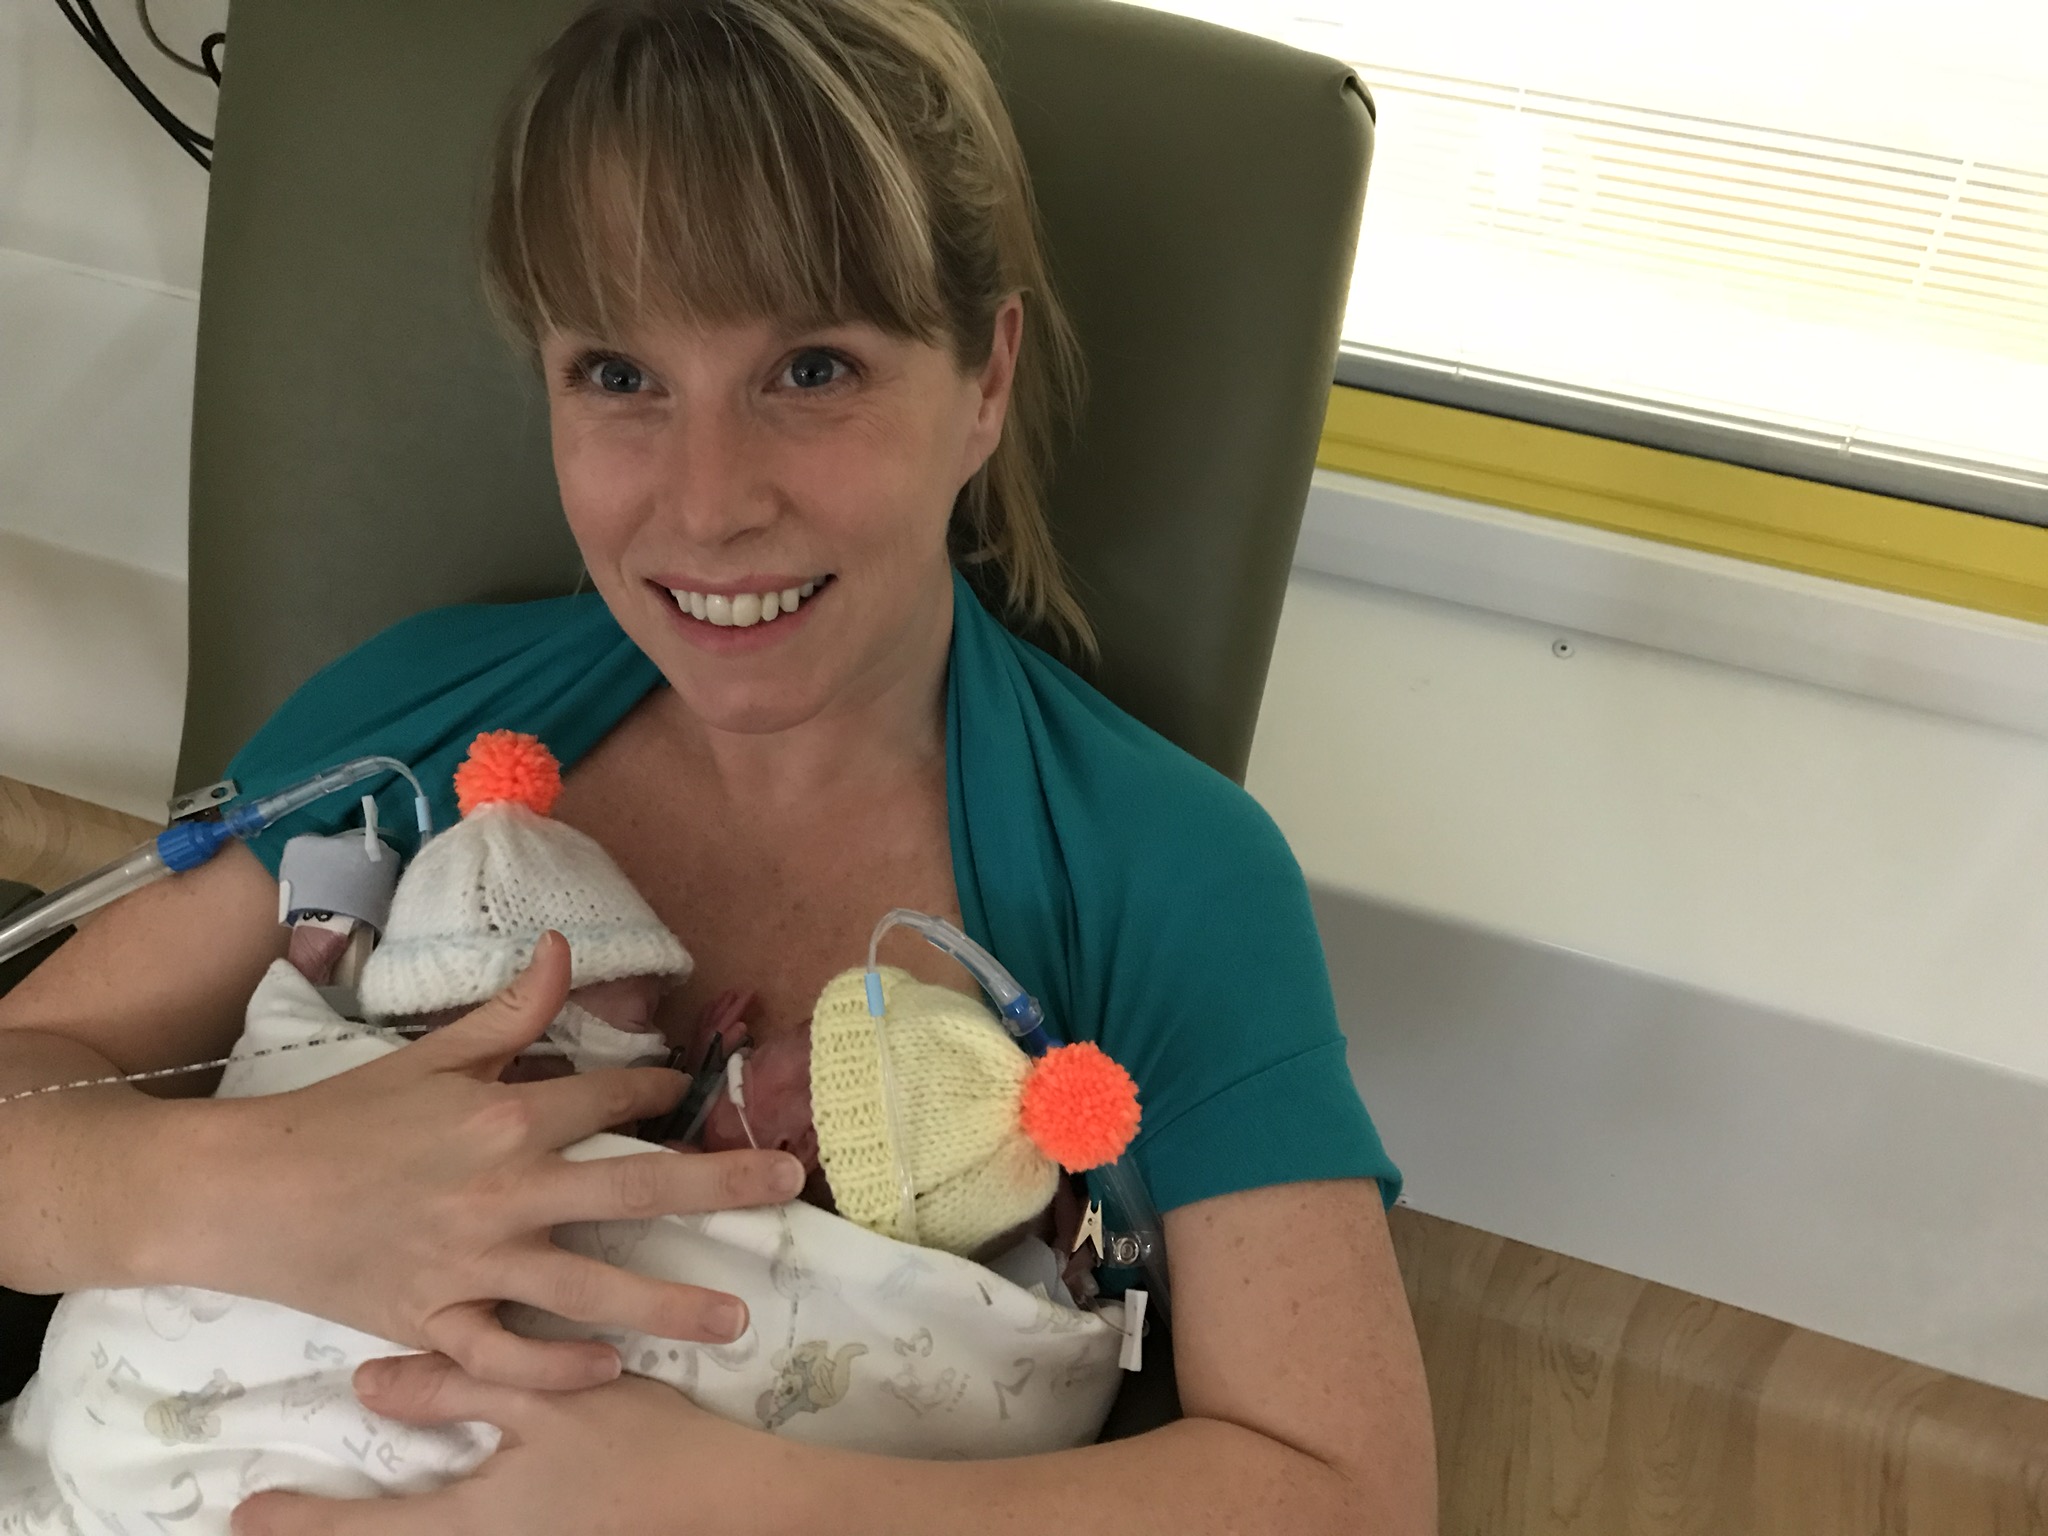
x=188 y=844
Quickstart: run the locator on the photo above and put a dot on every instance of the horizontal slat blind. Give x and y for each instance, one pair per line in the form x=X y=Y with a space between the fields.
x=1601 y=226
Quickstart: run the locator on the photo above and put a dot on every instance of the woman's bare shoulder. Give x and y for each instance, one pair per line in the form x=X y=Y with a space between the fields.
x=161 y=977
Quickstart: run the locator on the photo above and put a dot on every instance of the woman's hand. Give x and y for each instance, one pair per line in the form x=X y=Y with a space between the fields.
x=409 y=1196
x=629 y=1458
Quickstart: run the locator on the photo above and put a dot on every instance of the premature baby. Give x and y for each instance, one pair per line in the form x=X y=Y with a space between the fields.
x=870 y=1327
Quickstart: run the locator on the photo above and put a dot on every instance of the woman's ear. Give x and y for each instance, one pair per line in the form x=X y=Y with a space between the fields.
x=994 y=381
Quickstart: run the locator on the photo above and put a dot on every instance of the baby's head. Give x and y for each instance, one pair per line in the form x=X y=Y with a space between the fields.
x=928 y=1124
x=475 y=900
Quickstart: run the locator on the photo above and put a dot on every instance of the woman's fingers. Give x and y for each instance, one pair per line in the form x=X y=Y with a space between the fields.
x=642 y=1185
x=433 y=1389
x=472 y=1336
x=483 y=1041
x=565 y=1109
x=588 y=1291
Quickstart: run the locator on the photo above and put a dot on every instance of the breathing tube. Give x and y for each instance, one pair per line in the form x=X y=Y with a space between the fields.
x=1133 y=1238
x=186 y=845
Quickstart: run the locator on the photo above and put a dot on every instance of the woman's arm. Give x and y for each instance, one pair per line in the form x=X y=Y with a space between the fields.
x=1300 y=1380
x=1299 y=1375
x=436 y=1186
x=91 y=1180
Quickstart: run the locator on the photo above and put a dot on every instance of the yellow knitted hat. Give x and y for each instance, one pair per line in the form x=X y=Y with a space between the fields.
x=962 y=1093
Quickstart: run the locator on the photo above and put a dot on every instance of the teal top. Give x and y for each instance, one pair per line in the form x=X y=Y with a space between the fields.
x=1146 y=901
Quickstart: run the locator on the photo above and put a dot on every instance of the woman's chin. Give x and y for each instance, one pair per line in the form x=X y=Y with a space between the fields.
x=770 y=700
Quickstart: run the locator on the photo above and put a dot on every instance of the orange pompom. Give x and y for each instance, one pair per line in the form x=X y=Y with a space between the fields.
x=508 y=766
x=1079 y=1107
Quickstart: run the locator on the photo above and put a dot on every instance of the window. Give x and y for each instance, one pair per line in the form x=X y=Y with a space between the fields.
x=1801 y=234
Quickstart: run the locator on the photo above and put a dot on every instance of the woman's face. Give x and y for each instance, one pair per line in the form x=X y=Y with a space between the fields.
x=744 y=466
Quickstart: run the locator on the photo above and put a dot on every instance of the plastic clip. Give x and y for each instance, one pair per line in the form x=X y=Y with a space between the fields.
x=1132 y=1356
x=1091 y=1230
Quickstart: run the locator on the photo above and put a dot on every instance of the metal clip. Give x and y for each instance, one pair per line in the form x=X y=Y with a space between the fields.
x=196 y=804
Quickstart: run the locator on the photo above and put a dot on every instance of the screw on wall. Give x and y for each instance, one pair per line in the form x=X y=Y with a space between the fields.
x=1561 y=649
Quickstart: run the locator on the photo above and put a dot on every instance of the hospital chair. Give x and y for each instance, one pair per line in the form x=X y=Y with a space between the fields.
x=366 y=446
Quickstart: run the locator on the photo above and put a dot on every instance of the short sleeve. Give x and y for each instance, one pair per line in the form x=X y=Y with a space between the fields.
x=1221 y=1002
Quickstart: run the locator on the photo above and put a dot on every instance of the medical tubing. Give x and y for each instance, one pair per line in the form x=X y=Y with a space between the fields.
x=1139 y=1218
x=186 y=845
x=1019 y=1010
x=66 y=905
x=273 y=808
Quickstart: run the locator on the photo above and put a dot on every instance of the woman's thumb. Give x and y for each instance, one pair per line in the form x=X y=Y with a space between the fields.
x=490 y=1035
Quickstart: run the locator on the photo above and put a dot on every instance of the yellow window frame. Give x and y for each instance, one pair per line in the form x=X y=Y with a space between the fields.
x=1985 y=563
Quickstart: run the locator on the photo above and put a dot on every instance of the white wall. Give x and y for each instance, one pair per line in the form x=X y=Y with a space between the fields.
x=101 y=223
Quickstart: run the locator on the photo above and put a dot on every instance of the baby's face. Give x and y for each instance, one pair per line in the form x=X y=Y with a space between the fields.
x=627 y=1003
x=776 y=1081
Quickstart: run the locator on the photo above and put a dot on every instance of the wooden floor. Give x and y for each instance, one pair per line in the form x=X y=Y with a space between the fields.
x=1573 y=1399
x=47 y=839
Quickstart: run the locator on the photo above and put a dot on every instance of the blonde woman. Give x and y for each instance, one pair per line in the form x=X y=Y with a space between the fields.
x=777 y=262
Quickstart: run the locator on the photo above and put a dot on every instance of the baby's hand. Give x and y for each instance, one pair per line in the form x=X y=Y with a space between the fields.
x=724 y=1017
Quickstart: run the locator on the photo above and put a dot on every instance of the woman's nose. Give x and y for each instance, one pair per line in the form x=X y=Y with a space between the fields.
x=712 y=480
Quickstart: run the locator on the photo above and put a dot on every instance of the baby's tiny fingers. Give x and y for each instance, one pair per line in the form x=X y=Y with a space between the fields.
x=586 y=1291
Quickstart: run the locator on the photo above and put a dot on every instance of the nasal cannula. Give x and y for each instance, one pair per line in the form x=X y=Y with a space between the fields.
x=187 y=844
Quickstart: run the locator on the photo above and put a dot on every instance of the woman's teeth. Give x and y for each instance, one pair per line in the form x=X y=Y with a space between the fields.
x=744 y=610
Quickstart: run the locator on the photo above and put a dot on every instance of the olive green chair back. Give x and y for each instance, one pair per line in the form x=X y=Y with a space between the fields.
x=366 y=446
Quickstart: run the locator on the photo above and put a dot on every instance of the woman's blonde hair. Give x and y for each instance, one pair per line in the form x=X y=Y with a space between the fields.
x=814 y=160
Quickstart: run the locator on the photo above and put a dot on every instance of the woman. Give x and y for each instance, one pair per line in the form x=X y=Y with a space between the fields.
x=777 y=261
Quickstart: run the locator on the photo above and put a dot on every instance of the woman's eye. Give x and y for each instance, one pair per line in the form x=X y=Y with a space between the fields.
x=613 y=375
x=814 y=368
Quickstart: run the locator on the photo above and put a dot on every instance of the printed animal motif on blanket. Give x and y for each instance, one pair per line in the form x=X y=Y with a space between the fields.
x=809 y=1379
x=191 y=1418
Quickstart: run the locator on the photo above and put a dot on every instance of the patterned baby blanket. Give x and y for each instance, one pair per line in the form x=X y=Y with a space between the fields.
x=157 y=1411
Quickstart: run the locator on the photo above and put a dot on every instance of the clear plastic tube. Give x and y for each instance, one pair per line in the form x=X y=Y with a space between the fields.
x=188 y=844
x=273 y=808
x=1138 y=1240
x=1019 y=1010
x=88 y=893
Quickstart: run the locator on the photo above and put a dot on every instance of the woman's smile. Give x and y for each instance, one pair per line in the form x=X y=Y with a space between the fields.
x=749 y=614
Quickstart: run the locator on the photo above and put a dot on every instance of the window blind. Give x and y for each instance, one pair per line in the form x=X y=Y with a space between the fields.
x=1791 y=221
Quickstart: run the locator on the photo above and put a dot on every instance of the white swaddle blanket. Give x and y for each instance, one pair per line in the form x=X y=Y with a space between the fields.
x=157 y=1411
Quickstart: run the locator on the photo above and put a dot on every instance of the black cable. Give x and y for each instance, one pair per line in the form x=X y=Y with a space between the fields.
x=209 y=54
x=162 y=47
x=86 y=22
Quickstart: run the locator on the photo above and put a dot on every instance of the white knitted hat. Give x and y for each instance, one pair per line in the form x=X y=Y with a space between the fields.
x=475 y=900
